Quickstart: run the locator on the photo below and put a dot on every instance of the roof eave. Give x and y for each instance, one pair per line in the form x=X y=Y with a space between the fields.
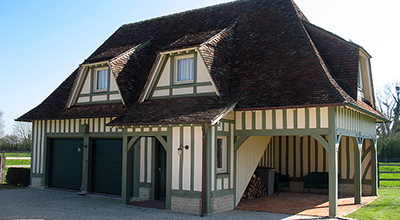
x=128 y=124
x=376 y=116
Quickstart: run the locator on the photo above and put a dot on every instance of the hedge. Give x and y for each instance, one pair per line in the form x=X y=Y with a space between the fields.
x=18 y=176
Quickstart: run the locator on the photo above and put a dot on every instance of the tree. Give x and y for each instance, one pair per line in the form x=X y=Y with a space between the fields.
x=388 y=102
x=2 y=125
x=9 y=143
x=23 y=131
x=19 y=140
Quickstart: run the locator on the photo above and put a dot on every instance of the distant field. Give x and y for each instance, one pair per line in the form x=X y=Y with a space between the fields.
x=389 y=175
x=14 y=154
x=17 y=162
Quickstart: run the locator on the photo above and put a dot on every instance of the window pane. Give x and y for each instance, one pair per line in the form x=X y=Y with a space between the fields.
x=102 y=79
x=219 y=153
x=185 y=69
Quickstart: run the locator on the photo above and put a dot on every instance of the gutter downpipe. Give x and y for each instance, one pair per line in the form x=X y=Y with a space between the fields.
x=203 y=185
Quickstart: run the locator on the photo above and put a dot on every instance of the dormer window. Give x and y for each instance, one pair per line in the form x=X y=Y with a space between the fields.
x=101 y=79
x=360 y=84
x=184 y=69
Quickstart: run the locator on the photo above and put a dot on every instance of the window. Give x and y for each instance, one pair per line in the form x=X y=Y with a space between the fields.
x=360 y=79
x=101 y=79
x=222 y=154
x=360 y=84
x=185 y=69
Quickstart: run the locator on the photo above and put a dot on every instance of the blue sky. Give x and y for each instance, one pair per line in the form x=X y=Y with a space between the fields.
x=42 y=42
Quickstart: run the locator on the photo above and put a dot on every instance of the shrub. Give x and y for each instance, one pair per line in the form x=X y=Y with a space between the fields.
x=18 y=176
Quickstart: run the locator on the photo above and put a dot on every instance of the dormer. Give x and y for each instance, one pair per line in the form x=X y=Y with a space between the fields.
x=96 y=81
x=98 y=86
x=364 y=80
x=181 y=73
x=185 y=67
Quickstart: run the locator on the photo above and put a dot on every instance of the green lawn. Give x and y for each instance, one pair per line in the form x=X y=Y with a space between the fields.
x=389 y=175
x=21 y=154
x=387 y=206
x=17 y=162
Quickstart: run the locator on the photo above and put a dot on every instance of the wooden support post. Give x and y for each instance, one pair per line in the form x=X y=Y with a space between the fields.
x=334 y=142
x=357 y=170
x=126 y=170
x=85 y=165
x=333 y=183
x=375 y=169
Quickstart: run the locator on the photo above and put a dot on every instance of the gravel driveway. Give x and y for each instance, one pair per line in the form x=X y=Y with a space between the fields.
x=27 y=203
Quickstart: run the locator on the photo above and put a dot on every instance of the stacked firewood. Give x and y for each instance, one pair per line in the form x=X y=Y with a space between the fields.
x=255 y=188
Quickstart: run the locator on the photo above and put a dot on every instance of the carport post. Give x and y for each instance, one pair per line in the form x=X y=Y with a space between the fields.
x=334 y=142
x=126 y=169
x=374 y=168
x=333 y=183
x=357 y=170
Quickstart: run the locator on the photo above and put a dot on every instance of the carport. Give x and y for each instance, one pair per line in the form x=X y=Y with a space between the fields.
x=303 y=140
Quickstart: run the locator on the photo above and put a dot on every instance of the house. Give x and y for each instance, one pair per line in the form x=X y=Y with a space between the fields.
x=184 y=107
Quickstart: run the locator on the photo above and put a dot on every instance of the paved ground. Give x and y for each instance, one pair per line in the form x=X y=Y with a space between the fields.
x=27 y=203
x=315 y=204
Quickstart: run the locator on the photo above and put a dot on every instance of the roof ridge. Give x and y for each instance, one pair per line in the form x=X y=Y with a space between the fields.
x=299 y=13
x=184 y=12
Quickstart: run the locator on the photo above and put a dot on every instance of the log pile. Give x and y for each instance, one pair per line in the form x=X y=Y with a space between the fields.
x=255 y=188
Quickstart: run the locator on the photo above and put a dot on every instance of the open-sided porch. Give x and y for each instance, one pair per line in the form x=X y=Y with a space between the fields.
x=336 y=140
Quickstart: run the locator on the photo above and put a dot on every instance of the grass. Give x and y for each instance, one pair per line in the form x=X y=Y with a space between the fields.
x=14 y=154
x=389 y=175
x=17 y=162
x=387 y=206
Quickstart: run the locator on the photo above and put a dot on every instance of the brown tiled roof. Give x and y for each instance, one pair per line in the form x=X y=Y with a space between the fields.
x=339 y=55
x=191 y=40
x=177 y=111
x=263 y=51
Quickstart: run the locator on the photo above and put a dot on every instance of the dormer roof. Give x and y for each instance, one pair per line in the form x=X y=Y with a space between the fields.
x=265 y=52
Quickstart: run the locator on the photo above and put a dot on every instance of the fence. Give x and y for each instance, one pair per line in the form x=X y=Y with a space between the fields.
x=3 y=153
x=380 y=172
x=388 y=160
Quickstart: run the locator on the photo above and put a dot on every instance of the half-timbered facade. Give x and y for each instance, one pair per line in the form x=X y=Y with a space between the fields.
x=185 y=107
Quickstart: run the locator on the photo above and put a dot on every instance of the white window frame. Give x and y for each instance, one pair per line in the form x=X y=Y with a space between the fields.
x=95 y=78
x=224 y=152
x=176 y=60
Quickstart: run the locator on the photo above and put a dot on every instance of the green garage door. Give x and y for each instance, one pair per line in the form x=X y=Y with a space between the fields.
x=107 y=166
x=65 y=163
